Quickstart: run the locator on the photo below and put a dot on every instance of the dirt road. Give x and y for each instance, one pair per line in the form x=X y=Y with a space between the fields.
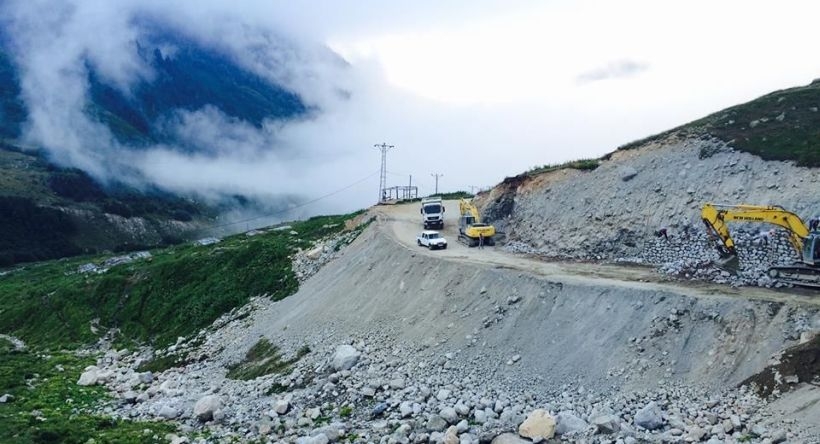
x=403 y=224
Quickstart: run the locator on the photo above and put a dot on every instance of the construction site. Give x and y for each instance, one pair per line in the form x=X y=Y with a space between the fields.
x=606 y=306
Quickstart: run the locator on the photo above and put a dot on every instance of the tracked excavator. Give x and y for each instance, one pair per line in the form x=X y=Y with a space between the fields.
x=470 y=228
x=805 y=273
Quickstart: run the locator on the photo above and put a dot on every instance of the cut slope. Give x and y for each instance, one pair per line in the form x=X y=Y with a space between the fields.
x=564 y=332
x=613 y=211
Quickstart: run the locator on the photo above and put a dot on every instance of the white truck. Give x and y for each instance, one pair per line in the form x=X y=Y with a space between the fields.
x=432 y=213
x=431 y=239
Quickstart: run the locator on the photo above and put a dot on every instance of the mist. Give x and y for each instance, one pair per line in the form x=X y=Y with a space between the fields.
x=581 y=96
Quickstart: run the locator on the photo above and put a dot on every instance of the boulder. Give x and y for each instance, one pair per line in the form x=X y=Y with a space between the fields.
x=167 y=412
x=146 y=377
x=345 y=357
x=281 y=406
x=89 y=376
x=606 y=424
x=332 y=432
x=315 y=253
x=650 y=417
x=451 y=435
x=627 y=173
x=206 y=406
x=449 y=414
x=568 y=422
x=436 y=424
x=539 y=425
x=509 y=438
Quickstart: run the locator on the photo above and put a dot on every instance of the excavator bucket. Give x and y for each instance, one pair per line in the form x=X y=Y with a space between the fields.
x=729 y=263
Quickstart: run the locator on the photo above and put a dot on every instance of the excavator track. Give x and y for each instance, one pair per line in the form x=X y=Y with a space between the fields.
x=797 y=275
x=468 y=241
x=472 y=242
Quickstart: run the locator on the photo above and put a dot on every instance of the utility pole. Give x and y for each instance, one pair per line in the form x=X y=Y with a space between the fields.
x=383 y=176
x=472 y=189
x=436 y=175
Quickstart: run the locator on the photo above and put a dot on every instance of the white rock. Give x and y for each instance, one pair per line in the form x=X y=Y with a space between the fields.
x=650 y=417
x=89 y=376
x=281 y=406
x=345 y=357
x=568 y=422
x=168 y=412
x=405 y=409
x=449 y=414
x=451 y=436
x=206 y=406
x=606 y=423
x=539 y=425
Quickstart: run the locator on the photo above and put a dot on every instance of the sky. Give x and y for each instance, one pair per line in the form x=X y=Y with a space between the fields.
x=471 y=90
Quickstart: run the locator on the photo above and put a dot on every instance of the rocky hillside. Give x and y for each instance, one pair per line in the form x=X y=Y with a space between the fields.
x=387 y=345
x=611 y=208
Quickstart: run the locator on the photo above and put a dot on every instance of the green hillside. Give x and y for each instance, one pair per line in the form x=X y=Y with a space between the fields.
x=175 y=292
x=783 y=125
x=48 y=212
x=55 y=308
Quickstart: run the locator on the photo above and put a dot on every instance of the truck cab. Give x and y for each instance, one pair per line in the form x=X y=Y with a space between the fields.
x=432 y=213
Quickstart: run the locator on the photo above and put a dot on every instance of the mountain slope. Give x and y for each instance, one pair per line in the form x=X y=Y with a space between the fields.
x=82 y=215
x=188 y=77
x=782 y=125
x=612 y=211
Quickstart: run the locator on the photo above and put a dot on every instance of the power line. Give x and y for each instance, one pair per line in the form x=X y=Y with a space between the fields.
x=383 y=172
x=436 y=175
x=304 y=204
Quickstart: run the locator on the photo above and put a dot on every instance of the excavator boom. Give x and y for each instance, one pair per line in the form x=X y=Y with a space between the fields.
x=716 y=218
x=807 y=244
x=470 y=228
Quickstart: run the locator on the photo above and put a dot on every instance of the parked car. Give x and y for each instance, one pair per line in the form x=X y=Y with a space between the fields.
x=431 y=239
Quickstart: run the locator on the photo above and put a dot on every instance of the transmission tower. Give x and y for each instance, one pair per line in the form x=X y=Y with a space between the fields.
x=383 y=173
x=436 y=175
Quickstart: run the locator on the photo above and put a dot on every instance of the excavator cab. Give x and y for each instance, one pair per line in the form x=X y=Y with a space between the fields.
x=811 y=249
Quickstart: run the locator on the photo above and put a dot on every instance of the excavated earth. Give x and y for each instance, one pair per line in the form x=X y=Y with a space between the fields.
x=460 y=345
x=392 y=343
x=611 y=212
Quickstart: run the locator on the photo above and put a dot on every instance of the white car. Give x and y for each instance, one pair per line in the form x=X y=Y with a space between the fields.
x=431 y=239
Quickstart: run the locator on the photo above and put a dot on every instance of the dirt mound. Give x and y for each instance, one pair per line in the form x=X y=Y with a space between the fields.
x=800 y=363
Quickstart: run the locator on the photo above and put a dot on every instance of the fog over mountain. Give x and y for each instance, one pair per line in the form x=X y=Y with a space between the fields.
x=300 y=93
x=140 y=94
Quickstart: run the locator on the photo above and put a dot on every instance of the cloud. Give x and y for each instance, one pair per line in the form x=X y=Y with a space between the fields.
x=54 y=45
x=516 y=64
x=613 y=70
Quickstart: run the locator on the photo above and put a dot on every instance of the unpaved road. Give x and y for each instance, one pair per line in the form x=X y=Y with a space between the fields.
x=403 y=224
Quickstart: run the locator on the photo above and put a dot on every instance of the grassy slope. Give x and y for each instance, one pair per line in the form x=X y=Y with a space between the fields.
x=49 y=407
x=180 y=290
x=175 y=293
x=787 y=126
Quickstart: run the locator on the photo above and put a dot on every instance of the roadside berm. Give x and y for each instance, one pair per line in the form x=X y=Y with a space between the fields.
x=407 y=346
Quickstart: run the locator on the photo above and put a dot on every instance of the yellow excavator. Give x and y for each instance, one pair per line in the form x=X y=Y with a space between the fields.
x=470 y=228
x=805 y=273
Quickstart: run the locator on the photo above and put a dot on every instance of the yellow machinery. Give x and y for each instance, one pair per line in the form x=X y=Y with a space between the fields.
x=807 y=244
x=470 y=228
